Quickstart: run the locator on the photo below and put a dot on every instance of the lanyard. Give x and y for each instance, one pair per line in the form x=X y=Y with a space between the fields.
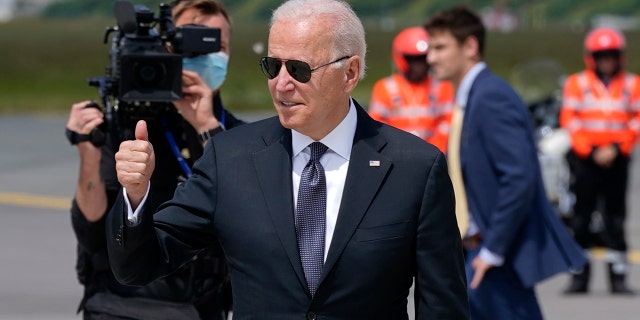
x=176 y=151
x=174 y=146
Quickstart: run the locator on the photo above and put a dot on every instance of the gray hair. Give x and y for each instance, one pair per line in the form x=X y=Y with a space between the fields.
x=348 y=32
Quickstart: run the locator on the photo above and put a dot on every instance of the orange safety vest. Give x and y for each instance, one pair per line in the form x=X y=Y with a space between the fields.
x=597 y=115
x=423 y=109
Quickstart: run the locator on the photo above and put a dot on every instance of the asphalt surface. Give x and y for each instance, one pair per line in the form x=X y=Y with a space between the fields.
x=38 y=171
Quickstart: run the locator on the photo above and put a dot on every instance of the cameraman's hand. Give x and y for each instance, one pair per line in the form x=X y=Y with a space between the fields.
x=82 y=119
x=135 y=162
x=197 y=104
x=90 y=195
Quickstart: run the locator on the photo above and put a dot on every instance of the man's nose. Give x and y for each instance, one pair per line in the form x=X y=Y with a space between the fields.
x=284 y=81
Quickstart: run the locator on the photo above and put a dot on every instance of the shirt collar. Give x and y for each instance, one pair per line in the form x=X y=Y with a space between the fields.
x=462 y=95
x=339 y=140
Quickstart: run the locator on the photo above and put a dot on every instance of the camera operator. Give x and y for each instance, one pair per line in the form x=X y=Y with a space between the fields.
x=199 y=290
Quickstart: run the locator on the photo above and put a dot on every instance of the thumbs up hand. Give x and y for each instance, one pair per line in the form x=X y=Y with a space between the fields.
x=135 y=162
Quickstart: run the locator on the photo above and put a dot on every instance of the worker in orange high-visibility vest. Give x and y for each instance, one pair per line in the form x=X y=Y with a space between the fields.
x=601 y=111
x=410 y=99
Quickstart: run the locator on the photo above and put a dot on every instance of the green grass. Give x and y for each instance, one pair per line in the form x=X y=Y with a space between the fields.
x=45 y=64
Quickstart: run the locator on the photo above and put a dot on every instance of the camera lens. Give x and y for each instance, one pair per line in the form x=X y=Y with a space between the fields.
x=149 y=73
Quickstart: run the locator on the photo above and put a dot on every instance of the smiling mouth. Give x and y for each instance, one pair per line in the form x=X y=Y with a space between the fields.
x=288 y=104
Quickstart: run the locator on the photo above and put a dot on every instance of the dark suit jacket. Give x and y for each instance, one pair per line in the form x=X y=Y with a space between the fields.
x=504 y=185
x=396 y=221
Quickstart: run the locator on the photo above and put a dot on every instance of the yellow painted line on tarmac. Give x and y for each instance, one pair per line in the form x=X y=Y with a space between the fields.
x=32 y=200
x=64 y=203
x=634 y=256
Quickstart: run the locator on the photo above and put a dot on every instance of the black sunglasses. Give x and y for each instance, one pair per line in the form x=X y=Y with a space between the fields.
x=299 y=70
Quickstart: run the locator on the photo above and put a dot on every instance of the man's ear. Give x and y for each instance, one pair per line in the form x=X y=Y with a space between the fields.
x=471 y=48
x=352 y=72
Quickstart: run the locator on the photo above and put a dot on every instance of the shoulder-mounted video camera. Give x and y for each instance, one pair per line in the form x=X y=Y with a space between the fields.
x=142 y=67
x=145 y=69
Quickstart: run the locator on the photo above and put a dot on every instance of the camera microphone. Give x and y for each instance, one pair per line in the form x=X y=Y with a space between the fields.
x=126 y=16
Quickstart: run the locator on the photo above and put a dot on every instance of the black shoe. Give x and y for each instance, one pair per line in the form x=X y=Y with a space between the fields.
x=617 y=283
x=579 y=281
x=577 y=286
x=620 y=287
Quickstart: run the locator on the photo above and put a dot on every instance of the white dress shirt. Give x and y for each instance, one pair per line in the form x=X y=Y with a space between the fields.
x=335 y=163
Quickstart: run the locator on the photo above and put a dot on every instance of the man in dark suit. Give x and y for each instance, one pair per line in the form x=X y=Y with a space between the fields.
x=513 y=239
x=387 y=215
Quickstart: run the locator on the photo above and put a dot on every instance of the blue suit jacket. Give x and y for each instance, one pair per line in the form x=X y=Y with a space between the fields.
x=504 y=185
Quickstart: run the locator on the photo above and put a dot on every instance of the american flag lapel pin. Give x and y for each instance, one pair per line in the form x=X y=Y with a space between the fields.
x=374 y=163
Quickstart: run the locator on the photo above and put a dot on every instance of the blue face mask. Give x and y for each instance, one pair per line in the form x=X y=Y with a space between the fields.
x=211 y=67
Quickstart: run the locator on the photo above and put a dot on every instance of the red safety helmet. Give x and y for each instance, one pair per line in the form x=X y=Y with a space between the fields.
x=602 y=39
x=411 y=41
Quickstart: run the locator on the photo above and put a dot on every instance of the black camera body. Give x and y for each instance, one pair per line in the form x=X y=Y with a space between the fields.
x=145 y=70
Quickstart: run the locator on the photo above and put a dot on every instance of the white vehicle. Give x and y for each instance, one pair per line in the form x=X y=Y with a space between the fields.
x=539 y=83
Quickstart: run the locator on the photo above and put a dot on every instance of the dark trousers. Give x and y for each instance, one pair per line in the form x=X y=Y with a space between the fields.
x=500 y=296
x=591 y=184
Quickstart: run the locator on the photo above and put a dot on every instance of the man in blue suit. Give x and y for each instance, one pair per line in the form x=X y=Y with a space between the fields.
x=513 y=239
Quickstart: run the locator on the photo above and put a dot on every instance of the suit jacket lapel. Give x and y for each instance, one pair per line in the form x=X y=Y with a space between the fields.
x=362 y=183
x=466 y=123
x=273 y=166
x=477 y=82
